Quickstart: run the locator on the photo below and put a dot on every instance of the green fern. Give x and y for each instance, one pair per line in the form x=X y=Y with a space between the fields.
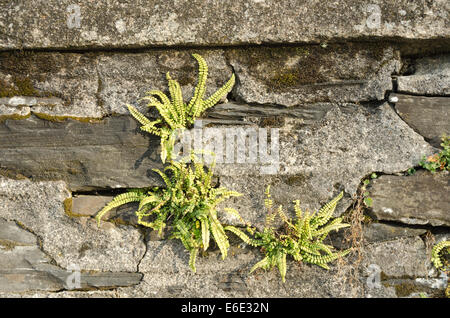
x=438 y=161
x=189 y=201
x=302 y=239
x=176 y=114
x=437 y=252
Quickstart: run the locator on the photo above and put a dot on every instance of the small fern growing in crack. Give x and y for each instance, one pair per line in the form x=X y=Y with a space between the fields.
x=189 y=201
x=302 y=239
x=437 y=252
x=176 y=115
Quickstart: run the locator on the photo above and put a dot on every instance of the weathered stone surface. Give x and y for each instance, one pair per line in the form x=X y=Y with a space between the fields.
x=40 y=207
x=8 y=112
x=167 y=274
x=53 y=84
x=294 y=75
x=140 y=23
x=17 y=272
x=125 y=78
x=379 y=232
x=429 y=116
x=403 y=257
x=24 y=267
x=110 y=153
x=94 y=85
x=264 y=115
x=431 y=77
x=11 y=236
x=317 y=161
x=418 y=199
x=89 y=205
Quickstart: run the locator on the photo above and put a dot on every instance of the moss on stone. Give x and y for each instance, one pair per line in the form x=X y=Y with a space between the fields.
x=13 y=117
x=55 y=118
x=21 y=86
x=8 y=245
x=68 y=204
x=10 y=174
x=272 y=121
x=284 y=68
x=295 y=180
x=405 y=289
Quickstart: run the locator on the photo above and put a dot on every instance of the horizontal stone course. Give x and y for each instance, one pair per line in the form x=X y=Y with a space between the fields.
x=426 y=115
x=418 y=199
x=431 y=76
x=141 y=23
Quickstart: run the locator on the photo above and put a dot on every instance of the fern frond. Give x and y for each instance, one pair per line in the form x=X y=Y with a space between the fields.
x=176 y=106
x=163 y=97
x=221 y=92
x=119 y=200
x=205 y=234
x=326 y=212
x=281 y=263
x=138 y=116
x=192 y=258
x=220 y=237
x=436 y=253
x=244 y=237
x=200 y=89
x=333 y=225
x=264 y=264
x=147 y=200
x=164 y=177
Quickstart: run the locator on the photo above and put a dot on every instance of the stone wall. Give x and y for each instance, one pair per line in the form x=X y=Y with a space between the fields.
x=353 y=87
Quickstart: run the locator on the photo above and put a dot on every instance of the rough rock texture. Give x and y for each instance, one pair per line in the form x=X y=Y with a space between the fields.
x=94 y=85
x=310 y=111
x=379 y=232
x=167 y=274
x=24 y=267
x=400 y=268
x=431 y=77
x=110 y=153
x=429 y=116
x=295 y=75
x=40 y=208
x=419 y=199
x=334 y=154
x=140 y=23
x=53 y=84
x=399 y=258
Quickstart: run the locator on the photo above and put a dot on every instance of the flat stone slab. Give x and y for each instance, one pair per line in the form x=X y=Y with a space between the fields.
x=379 y=232
x=133 y=24
x=93 y=85
x=403 y=257
x=431 y=77
x=295 y=75
x=418 y=199
x=319 y=160
x=112 y=153
x=24 y=267
x=429 y=116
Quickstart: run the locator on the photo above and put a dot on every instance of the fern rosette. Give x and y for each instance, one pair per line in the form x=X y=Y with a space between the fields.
x=302 y=240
